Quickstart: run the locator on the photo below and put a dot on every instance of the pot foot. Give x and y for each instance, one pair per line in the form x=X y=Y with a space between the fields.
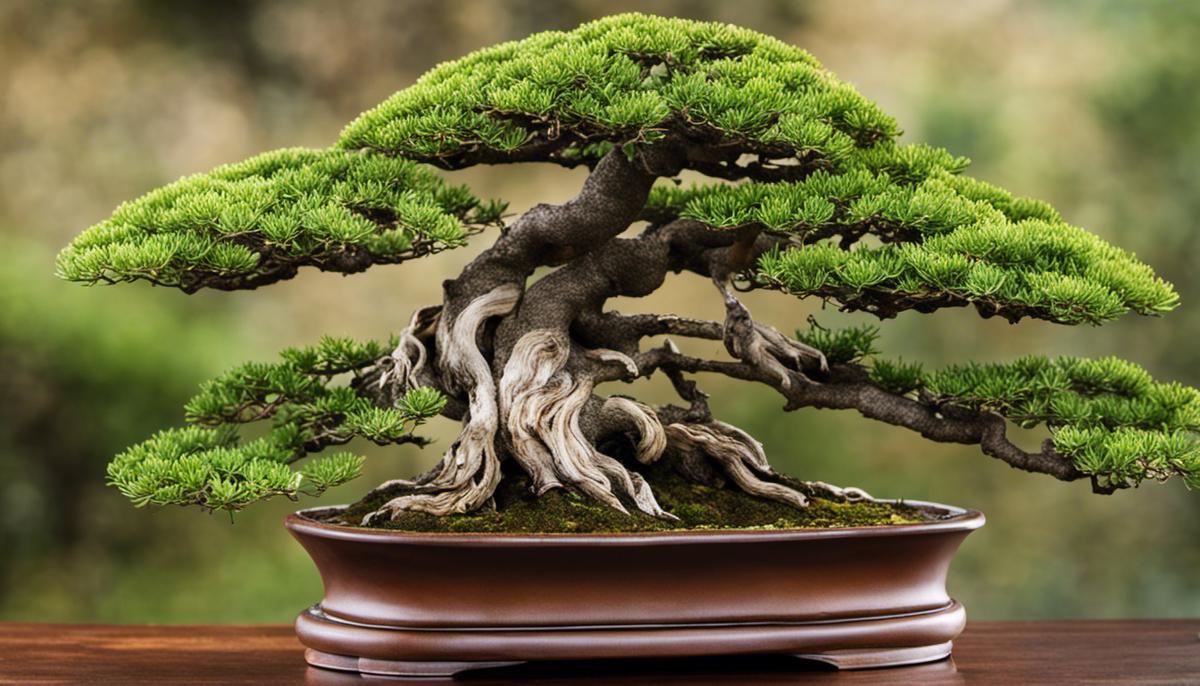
x=870 y=642
x=870 y=658
x=397 y=668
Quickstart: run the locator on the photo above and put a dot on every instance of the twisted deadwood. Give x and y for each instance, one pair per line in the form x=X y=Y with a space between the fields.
x=739 y=455
x=467 y=475
x=542 y=401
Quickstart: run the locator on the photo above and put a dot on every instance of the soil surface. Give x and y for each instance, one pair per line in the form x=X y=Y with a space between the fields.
x=697 y=506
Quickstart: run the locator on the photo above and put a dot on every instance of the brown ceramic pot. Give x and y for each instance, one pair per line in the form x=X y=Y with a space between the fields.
x=432 y=604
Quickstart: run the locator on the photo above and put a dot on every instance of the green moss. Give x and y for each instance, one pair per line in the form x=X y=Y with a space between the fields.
x=697 y=506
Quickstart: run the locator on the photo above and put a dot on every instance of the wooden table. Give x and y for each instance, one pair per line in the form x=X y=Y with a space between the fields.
x=1060 y=652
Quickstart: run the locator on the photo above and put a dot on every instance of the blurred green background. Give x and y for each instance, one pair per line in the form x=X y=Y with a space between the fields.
x=1093 y=106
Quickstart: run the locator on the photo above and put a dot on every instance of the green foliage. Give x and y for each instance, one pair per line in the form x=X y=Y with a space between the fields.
x=1032 y=268
x=207 y=465
x=422 y=402
x=333 y=355
x=331 y=470
x=897 y=376
x=631 y=78
x=256 y=221
x=1107 y=415
x=947 y=241
x=840 y=346
x=1125 y=456
x=927 y=201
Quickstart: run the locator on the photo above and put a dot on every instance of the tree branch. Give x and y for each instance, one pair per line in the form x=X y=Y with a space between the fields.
x=848 y=388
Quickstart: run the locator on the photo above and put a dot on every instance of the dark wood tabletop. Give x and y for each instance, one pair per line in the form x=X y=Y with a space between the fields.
x=1056 y=652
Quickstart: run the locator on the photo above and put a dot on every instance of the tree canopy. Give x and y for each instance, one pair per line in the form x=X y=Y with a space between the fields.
x=883 y=227
x=568 y=96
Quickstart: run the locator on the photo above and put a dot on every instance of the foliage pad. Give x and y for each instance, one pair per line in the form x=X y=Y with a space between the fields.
x=947 y=241
x=569 y=96
x=1108 y=415
x=257 y=221
x=207 y=465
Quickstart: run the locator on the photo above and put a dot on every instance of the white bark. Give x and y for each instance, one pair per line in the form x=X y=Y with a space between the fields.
x=741 y=458
x=652 y=438
x=410 y=355
x=470 y=470
x=541 y=401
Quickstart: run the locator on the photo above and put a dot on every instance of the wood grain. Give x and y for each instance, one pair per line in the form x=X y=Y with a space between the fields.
x=1056 y=652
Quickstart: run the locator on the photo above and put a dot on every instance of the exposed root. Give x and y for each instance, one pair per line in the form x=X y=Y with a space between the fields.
x=849 y=494
x=470 y=470
x=542 y=393
x=740 y=456
x=541 y=400
x=652 y=438
x=527 y=396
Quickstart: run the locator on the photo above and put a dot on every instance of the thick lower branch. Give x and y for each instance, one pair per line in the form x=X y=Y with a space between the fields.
x=988 y=430
x=847 y=388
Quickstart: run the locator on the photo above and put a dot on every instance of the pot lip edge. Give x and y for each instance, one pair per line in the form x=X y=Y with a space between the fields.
x=960 y=520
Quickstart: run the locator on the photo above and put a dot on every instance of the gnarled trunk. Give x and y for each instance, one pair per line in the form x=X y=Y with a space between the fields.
x=521 y=364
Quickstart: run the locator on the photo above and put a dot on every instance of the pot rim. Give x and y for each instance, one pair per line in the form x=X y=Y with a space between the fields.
x=956 y=519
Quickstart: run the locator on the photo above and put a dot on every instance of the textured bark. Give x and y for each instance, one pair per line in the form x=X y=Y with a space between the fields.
x=739 y=455
x=520 y=364
x=542 y=398
x=468 y=473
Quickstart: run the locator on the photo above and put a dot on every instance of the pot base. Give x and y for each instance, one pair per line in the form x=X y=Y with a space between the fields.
x=858 y=643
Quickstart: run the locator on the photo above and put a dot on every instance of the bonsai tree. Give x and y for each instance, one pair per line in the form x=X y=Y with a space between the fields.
x=812 y=196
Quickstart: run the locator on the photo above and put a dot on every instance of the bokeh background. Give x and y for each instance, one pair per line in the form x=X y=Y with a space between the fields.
x=1094 y=106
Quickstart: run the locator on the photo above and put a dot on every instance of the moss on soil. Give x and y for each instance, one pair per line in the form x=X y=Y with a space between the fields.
x=697 y=506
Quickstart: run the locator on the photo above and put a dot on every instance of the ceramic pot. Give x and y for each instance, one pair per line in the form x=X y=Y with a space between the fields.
x=434 y=604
